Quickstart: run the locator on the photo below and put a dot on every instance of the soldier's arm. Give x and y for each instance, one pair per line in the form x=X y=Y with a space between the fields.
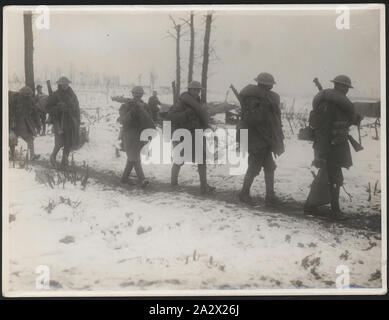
x=131 y=114
x=354 y=117
x=148 y=109
x=34 y=111
x=341 y=101
x=52 y=104
x=198 y=109
x=177 y=114
x=277 y=103
x=322 y=142
x=123 y=110
x=77 y=109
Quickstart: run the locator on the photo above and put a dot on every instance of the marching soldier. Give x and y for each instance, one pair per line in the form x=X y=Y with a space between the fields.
x=41 y=101
x=134 y=117
x=261 y=115
x=189 y=114
x=153 y=105
x=332 y=115
x=13 y=139
x=24 y=119
x=64 y=111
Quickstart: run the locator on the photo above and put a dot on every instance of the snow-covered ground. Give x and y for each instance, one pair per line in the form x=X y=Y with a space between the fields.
x=107 y=237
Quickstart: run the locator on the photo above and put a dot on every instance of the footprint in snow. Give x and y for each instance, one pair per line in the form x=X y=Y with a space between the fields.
x=141 y=230
x=67 y=239
x=55 y=284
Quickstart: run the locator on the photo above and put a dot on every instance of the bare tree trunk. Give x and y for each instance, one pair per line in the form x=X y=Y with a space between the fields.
x=174 y=92
x=204 y=72
x=152 y=82
x=28 y=51
x=178 y=65
x=191 y=48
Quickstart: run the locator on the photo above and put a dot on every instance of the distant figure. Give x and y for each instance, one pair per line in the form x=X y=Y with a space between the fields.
x=24 y=120
x=134 y=117
x=153 y=105
x=41 y=101
x=64 y=111
x=188 y=113
x=332 y=115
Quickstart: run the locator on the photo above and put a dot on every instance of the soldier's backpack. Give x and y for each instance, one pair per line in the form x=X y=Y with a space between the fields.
x=145 y=120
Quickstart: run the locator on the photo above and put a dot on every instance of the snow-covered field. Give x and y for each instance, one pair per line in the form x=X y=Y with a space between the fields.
x=110 y=238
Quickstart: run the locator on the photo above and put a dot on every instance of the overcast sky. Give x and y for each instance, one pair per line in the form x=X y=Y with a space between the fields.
x=295 y=46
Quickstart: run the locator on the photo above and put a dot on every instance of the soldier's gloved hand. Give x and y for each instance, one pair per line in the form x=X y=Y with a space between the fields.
x=319 y=163
x=358 y=119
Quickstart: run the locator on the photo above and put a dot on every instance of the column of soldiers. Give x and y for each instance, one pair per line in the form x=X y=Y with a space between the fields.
x=332 y=115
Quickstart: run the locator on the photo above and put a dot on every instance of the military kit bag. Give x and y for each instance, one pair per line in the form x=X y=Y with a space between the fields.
x=340 y=132
x=145 y=120
x=306 y=134
x=319 y=195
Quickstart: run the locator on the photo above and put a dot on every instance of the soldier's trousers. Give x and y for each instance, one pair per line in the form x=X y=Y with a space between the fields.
x=137 y=165
x=65 y=152
x=202 y=169
x=257 y=161
x=30 y=144
x=335 y=175
x=260 y=159
x=42 y=116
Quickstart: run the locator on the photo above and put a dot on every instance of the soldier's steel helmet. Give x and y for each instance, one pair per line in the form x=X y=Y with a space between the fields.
x=26 y=91
x=265 y=78
x=39 y=86
x=138 y=89
x=343 y=80
x=63 y=80
x=194 y=85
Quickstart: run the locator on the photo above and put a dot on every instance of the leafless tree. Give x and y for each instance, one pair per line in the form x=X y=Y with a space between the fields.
x=28 y=50
x=191 y=47
x=204 y=72
x=177 y=37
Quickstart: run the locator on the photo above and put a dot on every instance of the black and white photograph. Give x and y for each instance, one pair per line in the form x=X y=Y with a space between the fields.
x=194 y=150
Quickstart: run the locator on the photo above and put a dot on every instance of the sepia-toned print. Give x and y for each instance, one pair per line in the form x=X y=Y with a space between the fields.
x=194 y=150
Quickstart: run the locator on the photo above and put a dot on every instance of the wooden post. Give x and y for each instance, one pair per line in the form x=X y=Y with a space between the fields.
x=191 y=48
x=204 y=73
x=28 y=51
x=174 y=92
x=178 y=66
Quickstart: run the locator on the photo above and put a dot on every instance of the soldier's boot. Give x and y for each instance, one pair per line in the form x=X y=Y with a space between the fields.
x=126 y=172
x=310 y=210
x=174 y=174
x=244 y=195
x=53 y=156
x=65 y=159
x=205 y=188
x=270 y=199
x=30 y=145
x=336 y=213
x=140 y=174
